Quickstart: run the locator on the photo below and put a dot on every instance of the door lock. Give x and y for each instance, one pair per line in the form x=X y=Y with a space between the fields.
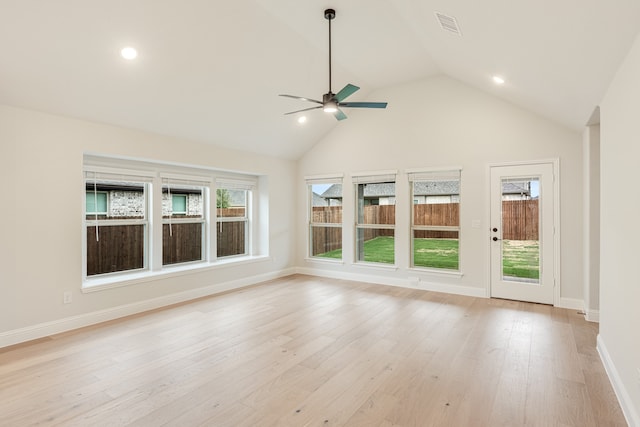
x=495 y=230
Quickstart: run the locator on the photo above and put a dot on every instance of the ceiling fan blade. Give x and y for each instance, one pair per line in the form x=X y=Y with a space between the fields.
x=339 y=115
x=300 y=111
x=302 y=98
x=346 y=91
x=363 y=104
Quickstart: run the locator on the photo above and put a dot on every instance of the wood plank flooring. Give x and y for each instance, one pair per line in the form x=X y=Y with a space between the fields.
x=306 y=351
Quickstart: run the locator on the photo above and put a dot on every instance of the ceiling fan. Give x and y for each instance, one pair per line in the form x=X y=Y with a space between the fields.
x=332 y=102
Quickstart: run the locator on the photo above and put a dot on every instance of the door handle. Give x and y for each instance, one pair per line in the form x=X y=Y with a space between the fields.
x=495 y=239
x=495 y=230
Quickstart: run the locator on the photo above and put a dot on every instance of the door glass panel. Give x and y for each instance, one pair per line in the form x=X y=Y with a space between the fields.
x=520 y=230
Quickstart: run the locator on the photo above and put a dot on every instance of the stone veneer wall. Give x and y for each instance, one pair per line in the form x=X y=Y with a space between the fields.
x=131 y=204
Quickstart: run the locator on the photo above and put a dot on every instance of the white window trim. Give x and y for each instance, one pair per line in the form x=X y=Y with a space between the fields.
x=374 y=177
x=115 y=175
x=310 y=181
x=174 y=270
x=419 y=175
x=377 y=177
x=152 y=173
x=324 y=179
x=234 y=184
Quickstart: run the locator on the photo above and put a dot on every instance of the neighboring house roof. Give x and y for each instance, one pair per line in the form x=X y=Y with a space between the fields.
x=318 y=200
x=436 y=188
x=512 y=187
x=422 y=188
x=333 y=192
x=388 y=189
x=370 y=191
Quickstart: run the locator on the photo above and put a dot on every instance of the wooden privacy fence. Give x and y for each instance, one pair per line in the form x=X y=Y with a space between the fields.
x=326 y=239
x=181 y=243
x=230 y=238
x=121 y=247
x=520 y=219
x=520 y=222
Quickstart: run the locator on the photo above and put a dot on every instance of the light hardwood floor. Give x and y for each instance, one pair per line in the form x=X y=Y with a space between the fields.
x=305 y=351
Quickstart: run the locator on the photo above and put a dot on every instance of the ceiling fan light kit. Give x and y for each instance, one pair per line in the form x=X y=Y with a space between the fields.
x=331 y=102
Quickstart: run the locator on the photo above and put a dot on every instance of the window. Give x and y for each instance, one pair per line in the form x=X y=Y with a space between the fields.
x=232 y=217
x=95 y=201
x=116 y=239
x=179 y=204
x=375 y=217
x=325 y=217
x=183 y=219
x=435 y=219
x=143 y=219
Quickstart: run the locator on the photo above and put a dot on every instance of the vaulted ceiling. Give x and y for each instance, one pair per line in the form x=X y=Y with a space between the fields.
x=211 y=71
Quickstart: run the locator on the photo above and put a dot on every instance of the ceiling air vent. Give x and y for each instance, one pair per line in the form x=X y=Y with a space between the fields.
x=448 y=23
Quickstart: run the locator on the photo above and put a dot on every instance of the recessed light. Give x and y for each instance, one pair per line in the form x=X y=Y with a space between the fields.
x=302 y=119
x=498 y=80
x=129 y=53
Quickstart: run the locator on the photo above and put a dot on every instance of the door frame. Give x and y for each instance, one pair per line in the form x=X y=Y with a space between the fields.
x=555 y=163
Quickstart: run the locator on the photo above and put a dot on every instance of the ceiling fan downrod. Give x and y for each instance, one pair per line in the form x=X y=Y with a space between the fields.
x=329 y=14
x=332 y=102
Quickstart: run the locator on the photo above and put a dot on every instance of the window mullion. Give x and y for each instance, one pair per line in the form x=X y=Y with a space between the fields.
x=155 y=228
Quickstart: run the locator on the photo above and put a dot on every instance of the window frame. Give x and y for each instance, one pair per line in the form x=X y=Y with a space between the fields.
x=364 y=178
x=311 y=224
x=183 y=183
x=122 y=178
x=153 y=172
x=427 y=175
x=234 y=185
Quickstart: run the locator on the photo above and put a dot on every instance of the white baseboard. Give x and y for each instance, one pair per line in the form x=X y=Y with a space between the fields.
x=568 y=303
x=46 y=329
x=392 y=281
x=632 y=417
x=571 y=303
x=592 y=316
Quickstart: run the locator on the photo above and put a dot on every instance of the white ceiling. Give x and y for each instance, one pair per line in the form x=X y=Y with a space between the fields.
x=211 y=70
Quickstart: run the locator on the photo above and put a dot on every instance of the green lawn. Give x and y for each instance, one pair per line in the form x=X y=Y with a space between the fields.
x=520 y=258
x=434 y=253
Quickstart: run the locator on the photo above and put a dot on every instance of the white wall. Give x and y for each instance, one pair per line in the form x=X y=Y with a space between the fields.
x=619 y=339
x=591 y=209
x=441 y=122
x=41 y=222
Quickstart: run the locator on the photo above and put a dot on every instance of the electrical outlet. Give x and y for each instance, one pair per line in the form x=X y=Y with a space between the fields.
x=67 y=297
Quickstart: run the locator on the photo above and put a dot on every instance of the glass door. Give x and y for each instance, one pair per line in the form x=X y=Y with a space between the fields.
x=522 y=232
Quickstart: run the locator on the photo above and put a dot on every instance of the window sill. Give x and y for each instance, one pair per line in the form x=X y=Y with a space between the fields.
x=126 y=279
x=376 y=266
x=434 y=272
x=324 y=260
